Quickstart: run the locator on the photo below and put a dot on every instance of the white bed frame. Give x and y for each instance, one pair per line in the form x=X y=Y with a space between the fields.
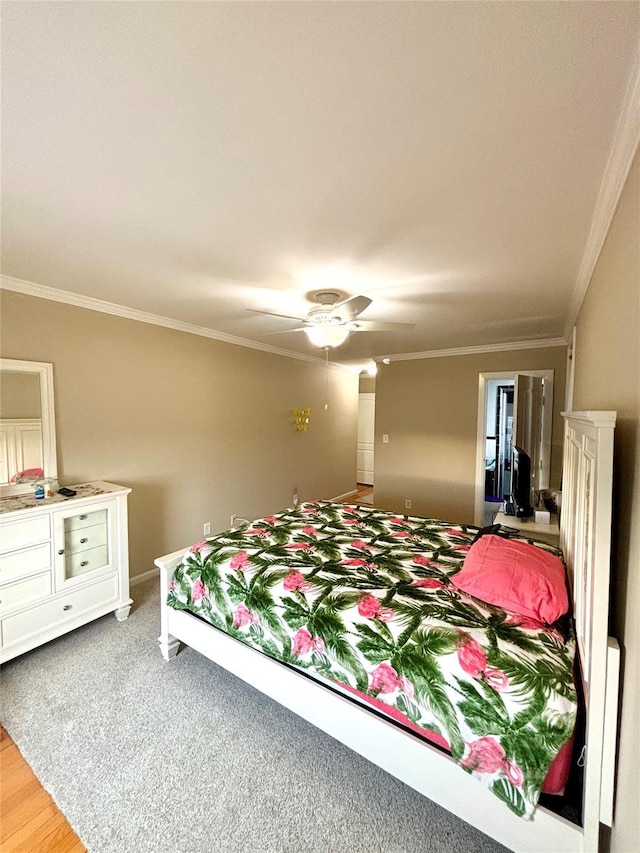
x=585 y=534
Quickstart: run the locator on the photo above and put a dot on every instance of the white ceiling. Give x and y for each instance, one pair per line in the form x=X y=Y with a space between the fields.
x=195 y=159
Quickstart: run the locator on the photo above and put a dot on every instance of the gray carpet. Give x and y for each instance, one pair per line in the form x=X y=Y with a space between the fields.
x=144 y=755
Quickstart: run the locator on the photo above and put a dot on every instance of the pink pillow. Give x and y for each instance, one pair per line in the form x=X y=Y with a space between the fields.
x=28 y=474
x=516 y=576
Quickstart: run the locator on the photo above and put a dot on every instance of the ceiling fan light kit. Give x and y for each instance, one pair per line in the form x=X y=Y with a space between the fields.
x=327 y=336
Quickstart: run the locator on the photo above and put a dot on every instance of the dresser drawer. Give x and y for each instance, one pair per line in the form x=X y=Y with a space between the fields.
x=19 y=534
x=86 y=561
x=85 y=538
x=63 y=608
x=29 y=561
x=12 y=594
x=85 y=519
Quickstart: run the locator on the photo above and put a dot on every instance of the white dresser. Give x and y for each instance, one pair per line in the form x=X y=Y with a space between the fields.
x=63 y=562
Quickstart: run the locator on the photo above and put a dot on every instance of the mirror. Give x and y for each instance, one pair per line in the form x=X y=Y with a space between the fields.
x=27 y=425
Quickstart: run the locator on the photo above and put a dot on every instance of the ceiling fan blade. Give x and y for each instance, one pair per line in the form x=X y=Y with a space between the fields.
x=272 y=314
x=350 y=308
x=379 y=326
x=286 y=331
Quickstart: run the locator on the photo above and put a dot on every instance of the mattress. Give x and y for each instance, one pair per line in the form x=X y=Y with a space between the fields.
x=363 y=598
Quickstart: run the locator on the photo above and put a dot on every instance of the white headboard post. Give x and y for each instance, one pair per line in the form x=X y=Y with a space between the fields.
x=585 y=538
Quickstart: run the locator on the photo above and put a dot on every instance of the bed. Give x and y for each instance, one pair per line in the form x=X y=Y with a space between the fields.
x=287 y=590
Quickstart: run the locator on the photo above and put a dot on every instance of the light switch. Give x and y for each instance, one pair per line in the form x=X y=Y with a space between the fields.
x=385 y=438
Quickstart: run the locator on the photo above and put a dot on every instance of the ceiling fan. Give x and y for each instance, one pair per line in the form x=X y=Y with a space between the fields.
x=330 y=322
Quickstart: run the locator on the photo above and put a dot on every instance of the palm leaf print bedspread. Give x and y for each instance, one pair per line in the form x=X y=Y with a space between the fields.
x=363 y=597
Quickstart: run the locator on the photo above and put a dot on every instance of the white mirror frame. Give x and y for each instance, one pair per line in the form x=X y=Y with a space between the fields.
x=47 y=414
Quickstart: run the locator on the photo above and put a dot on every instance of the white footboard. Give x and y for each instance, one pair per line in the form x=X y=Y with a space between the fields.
x=168 y=643
x=423 y=767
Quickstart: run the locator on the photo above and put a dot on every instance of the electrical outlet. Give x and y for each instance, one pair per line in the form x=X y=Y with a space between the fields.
x=207 y=528
x=407 y=504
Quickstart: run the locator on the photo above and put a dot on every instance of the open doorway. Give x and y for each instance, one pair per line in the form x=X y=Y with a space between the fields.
x=499 y=436
x=500 y=405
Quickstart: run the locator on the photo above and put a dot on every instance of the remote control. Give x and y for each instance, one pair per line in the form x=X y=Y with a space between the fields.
x=68 y=493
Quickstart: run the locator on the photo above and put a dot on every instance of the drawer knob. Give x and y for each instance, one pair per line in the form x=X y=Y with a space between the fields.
x=82 y=517
x=82 y=541
x=67 y=607
x=84 y=563
x=61 y=552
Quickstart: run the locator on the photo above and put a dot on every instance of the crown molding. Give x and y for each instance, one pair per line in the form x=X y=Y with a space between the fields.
x=41 y=291
x=623 y=150
x=475 y=350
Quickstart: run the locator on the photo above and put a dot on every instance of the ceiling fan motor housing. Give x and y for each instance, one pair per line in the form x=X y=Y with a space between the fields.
x=322 y=314
x=327 y=297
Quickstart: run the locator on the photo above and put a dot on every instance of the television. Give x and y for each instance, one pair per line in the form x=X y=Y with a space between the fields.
x=521 y=491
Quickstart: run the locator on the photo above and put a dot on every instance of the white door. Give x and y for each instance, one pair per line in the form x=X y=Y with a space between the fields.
x=527 y=421
x=29 y=446
x=366 y=423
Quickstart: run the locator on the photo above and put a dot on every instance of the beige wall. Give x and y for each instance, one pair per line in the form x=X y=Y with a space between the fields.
x=198 y=428
x=429 y=409
x=19 y=395
x=367 y=384
x=607 y=376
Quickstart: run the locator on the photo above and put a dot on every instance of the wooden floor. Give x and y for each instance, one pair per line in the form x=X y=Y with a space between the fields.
x=29 y=819
x=364 y=495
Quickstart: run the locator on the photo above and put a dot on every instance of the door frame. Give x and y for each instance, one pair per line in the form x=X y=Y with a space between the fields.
x=547 y=421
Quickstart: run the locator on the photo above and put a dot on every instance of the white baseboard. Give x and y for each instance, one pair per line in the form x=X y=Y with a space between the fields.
x=145 y=576
x=346 y=495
